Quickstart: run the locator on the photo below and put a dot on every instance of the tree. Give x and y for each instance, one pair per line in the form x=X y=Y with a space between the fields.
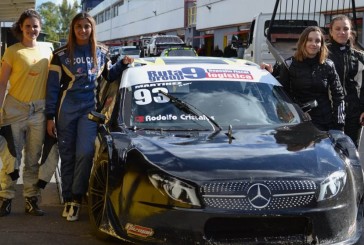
x=50 y=18
x=56 y=19
x=67 y=12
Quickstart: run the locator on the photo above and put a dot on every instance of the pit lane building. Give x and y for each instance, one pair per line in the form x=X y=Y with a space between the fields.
x=197 y=22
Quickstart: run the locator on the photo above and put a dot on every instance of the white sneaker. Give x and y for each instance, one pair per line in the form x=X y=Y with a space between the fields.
x=66 y=209
x=74 y=211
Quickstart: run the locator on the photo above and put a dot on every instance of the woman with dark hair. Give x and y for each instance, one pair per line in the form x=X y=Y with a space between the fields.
x=25 y=66
x=71 y=95
x=349 y=64
x=309 y=75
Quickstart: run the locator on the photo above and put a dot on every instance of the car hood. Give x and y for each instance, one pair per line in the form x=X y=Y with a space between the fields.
x=287 y=151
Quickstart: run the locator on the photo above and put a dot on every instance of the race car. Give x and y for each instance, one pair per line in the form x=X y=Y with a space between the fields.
x=179 y=51
x=203 y=150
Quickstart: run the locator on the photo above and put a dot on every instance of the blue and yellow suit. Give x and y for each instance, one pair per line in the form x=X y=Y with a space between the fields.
x=71 y=95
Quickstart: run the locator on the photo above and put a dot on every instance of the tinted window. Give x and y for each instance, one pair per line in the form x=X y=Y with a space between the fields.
x=130 y=51
x=229 y=103
x=180 y=52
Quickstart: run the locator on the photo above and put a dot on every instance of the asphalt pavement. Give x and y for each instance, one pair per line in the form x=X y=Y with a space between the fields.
x=19 y=228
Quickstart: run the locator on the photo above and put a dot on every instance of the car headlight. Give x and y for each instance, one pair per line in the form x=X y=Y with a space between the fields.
x=175 y=189
x=332 y=185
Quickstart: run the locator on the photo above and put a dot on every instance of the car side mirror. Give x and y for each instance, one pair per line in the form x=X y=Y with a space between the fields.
x=97 y=117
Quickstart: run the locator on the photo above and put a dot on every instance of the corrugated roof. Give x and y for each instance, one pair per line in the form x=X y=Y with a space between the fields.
x=10 y=10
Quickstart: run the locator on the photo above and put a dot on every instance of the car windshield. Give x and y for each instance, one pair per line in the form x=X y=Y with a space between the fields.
x=239 y=104
x=180 y=52
x=169 y=40
x=130 y=51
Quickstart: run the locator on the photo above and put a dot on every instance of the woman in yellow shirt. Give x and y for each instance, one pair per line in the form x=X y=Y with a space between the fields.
x=24 y=66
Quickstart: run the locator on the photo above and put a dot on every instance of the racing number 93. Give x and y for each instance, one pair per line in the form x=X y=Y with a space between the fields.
x=144 y=96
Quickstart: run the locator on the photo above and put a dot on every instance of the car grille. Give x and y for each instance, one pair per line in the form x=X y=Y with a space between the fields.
x=264 y=195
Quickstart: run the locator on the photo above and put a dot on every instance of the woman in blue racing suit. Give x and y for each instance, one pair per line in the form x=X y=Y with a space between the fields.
x=71 y=95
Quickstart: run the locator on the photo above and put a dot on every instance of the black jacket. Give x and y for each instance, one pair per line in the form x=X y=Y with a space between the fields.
x=349 y=66
x=309 y=80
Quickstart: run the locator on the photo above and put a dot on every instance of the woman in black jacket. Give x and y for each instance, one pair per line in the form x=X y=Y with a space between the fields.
x=349 y=64
x=309 y=75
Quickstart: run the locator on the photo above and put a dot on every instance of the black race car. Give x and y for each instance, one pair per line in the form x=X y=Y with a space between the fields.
x=212 y=151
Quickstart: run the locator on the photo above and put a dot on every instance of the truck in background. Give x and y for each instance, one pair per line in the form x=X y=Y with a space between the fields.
x=273 y=36
x=143 y=44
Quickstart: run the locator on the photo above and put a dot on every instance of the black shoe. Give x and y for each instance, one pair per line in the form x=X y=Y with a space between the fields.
x=5 y=208
x=31 y=206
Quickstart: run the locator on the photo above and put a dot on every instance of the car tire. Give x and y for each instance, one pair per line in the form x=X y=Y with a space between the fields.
x=96 y=199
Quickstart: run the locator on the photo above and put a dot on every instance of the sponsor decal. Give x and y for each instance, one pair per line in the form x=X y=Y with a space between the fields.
x=79 y=60
x=33 y=73
x=197 y=73
x=138 y=230
x=170 y=117
x=152 y=85
x=226 y=73
x=79 y=70
x=184 y=73
x=139 y=119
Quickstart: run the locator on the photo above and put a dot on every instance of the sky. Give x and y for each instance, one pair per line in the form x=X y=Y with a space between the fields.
x=57 y=2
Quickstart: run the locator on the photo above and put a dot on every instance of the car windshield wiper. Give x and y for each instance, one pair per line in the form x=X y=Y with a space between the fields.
x=187 y=108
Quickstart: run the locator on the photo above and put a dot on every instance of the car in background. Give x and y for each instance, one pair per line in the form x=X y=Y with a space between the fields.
x=160 y=42
x=131 y=51
x=179 y=51
x=114 y=53
x=206 y=150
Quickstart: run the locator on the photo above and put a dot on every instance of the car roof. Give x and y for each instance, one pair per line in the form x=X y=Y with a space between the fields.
x=179 y=47
x=178 y=69
x=124 y=47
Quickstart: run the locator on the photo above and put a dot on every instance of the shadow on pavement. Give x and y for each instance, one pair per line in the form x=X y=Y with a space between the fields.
x=19 y=228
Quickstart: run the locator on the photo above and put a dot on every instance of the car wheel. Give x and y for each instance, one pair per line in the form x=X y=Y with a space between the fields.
x=96 y=195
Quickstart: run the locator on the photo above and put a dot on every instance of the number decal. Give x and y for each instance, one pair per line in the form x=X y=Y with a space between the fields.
x=193 y=73
x=160 y=98
x=142 y=96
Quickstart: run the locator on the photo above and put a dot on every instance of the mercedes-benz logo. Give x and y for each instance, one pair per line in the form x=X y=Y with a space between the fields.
x=259 y=195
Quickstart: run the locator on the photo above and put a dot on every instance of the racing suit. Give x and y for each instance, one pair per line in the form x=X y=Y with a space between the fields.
x=309 y=80
x=349 y=64
x=71 y=95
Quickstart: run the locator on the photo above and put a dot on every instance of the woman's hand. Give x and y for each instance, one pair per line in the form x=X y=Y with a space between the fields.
x=361 y=119
x=51 y=128
x=267 y=67
x=127 y=60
